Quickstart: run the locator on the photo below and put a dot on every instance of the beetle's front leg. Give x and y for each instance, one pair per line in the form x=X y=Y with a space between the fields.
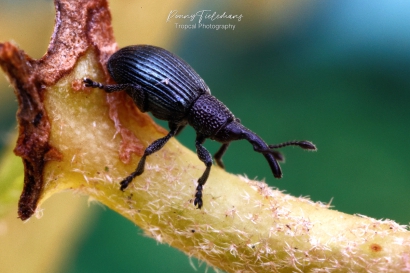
x=154 y=147
x=205 y=157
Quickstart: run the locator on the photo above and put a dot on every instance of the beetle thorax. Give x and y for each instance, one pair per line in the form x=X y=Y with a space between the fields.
x=208 y=115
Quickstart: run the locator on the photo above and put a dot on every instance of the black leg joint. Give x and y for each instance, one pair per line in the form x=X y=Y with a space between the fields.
x=198 y=196
x=90 y=83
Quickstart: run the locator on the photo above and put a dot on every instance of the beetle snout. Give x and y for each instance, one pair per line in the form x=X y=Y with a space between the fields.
x=230 y=132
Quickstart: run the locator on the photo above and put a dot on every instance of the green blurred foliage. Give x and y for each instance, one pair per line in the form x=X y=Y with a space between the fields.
x=335 y=73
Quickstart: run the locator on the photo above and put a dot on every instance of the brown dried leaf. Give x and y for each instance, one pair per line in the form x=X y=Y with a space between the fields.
x=79 y=25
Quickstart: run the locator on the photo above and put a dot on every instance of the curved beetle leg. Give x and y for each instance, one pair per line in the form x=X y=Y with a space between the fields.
x=152 y=148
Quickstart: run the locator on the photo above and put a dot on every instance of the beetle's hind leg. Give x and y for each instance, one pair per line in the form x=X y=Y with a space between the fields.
x=205 y=157
x=152 y=148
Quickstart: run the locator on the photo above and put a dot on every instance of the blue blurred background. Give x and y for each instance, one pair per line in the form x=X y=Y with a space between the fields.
x=333 y=72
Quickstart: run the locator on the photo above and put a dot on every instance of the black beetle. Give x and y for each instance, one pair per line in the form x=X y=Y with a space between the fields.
x=162 y=83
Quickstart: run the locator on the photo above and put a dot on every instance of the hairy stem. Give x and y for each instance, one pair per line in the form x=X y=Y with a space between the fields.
x=243 y=226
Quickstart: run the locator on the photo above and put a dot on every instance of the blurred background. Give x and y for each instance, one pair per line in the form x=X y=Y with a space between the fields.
x=336 y=73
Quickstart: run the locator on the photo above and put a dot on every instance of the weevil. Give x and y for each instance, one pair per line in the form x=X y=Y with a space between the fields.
x=165 y=85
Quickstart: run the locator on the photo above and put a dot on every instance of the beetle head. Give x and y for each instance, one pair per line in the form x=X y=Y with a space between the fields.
x=235 y=131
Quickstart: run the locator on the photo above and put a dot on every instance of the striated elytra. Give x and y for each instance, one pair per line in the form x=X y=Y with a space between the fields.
x=163 y=84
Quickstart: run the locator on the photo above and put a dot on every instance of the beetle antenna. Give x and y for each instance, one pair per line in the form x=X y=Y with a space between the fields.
x=304 y=144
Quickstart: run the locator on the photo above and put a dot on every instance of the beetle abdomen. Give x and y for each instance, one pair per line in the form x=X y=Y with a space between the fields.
x=170 y=85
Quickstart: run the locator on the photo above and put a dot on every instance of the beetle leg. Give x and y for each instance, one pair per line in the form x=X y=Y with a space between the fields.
x=219 y=154
x=110 y=88
x=172 y=125
x=152 y=148
x=205 y=157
